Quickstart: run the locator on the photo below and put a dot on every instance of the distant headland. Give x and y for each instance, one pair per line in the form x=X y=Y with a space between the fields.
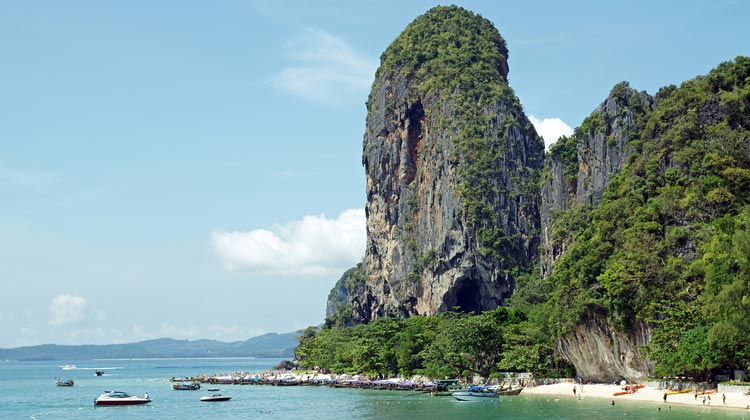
x=266 y=345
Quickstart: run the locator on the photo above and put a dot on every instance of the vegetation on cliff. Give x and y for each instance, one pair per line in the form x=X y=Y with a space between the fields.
x=668 y=247
x=461 y=58
x=656 y=243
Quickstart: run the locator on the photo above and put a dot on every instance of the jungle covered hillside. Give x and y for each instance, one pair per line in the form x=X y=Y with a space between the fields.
x=623 y=252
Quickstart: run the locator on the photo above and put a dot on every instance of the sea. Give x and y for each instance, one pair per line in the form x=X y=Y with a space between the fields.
x=28 y=391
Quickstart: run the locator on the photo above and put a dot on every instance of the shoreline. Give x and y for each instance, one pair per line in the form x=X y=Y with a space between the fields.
x=734 y=400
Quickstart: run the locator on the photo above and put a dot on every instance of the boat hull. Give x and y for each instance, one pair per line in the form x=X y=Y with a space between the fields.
x=510 y=392
x=120 y=398
x=122 y=402
x=474 y=396
x=215 y=398
x=186 y=387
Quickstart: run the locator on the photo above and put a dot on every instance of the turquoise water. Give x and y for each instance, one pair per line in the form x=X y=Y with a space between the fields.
x=27 y=390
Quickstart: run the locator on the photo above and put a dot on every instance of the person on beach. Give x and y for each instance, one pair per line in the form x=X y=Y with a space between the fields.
x=574 y=390
x=724 y=399
x=665 y=397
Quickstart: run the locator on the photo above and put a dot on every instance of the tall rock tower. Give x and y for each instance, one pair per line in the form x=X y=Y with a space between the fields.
x=452 y=167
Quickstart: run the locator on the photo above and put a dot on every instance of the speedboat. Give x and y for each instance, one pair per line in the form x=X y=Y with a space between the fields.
x=120 y=398
x=68 y=367
x=64 y=382
x=475 y=393
x=215 y=397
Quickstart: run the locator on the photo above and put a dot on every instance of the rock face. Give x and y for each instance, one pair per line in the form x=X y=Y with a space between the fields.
x=451 y=164
x=602 y=354
x=579 y=168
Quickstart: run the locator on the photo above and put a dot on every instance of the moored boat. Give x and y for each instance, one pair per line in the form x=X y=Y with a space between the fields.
x=186 y=387
x=215 y=398
x=509 y=391
x=64 y=382
x=120 y=398
x=446 y=387
x=475 y=393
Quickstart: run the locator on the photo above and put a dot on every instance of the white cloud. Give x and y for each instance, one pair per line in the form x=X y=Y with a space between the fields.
x=325 y=69
x=314 y=245
x=550 y=129
x=67 y=309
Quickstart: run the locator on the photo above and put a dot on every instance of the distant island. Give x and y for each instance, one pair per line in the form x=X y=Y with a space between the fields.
x=267 y=345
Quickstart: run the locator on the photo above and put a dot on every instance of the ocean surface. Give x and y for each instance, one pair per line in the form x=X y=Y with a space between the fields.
x=28 y=391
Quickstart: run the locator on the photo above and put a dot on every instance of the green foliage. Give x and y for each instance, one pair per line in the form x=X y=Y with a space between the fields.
x=421 y=264
x=449 y=344
x=669 y=244
x=446 y=47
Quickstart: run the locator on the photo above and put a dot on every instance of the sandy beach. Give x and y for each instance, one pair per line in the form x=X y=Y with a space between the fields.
x=734 y=400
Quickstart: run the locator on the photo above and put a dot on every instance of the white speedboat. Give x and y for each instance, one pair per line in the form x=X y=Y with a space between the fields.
x=215 y=397
x=475 y=393
x=120 y=398
x=68 y=367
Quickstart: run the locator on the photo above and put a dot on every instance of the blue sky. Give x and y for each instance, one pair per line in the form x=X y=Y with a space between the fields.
x=193 y=169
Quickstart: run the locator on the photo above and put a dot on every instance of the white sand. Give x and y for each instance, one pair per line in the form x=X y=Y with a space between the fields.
x=734 y=400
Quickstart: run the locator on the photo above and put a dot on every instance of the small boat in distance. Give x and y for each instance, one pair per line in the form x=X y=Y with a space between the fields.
x=215 y=398
x=64 y=382
x=212 y=389
x=120 y=398
x=99 y=373
x=509 y=391
x=186 y=387
x=68 y=367
x=446 y=387
x=475 y=393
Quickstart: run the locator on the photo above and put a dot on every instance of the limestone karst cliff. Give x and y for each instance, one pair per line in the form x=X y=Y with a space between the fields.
x=615 y=239
x=452 y=164
x=578 y=169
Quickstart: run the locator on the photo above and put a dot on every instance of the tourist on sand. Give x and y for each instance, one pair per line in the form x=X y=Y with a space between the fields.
x=724 y=399
x=665 y=397
x=574 y=390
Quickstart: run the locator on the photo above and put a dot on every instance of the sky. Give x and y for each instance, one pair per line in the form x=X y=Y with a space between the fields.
x=192 y=169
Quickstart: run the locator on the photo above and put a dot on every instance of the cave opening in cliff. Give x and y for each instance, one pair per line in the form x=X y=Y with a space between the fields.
x=413 y=139
x=467 y=296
